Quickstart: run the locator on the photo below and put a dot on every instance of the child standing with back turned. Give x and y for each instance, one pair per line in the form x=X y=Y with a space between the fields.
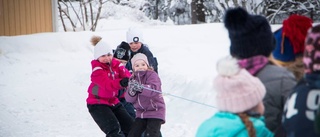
x=144 y=92
x=239 y=101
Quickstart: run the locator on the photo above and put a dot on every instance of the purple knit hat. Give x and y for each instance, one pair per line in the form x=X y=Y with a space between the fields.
x=237 y=90
x=311 y=58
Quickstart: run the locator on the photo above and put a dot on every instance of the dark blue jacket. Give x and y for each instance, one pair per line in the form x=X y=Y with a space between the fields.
x=301 y=106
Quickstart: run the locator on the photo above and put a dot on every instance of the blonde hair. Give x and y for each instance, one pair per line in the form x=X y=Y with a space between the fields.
x=296 y=66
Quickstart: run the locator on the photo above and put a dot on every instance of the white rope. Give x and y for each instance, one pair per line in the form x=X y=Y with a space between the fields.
x=179 y=97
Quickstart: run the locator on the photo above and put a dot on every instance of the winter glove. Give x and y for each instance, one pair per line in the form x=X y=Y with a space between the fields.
x=135 y=87
x=124 y=82
x=132 y=93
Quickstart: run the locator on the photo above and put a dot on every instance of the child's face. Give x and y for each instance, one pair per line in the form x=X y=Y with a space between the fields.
x=135 y=46
x=140 y=65
x=105 y=58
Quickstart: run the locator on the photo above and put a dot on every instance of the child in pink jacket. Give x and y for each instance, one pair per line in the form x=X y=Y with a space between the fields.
x=107 y=77
x=144 y=92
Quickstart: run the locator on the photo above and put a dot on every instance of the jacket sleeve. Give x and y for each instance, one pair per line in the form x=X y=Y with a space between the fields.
x=274 y=108
x=153 y=86
x=123 y=72
x=100 y=78
x=129 y=98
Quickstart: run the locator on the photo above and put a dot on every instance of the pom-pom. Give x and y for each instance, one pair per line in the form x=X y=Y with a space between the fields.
x=228 y=66
x=95 y=39
x=235 y=18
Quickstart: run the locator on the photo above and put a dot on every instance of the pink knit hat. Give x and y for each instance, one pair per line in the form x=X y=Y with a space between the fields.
x=311 y=57
x=237 y=90
x=139 y=56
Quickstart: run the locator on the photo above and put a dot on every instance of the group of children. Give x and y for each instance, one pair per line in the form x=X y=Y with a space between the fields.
x=124 y=97
x=257 y=95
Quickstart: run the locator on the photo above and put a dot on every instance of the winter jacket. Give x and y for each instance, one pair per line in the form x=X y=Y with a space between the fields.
x=148 y=103
x=151 y=59
x=105 y=82
x=279 y=82
x=225 y=124
x=301 y=106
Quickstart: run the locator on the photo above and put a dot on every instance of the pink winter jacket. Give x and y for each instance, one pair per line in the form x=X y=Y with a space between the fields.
x=105 y=82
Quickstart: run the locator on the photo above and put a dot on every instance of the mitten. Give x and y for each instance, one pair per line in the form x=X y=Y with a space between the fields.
x=124 y=82
x=132 y=93
x=135 y=86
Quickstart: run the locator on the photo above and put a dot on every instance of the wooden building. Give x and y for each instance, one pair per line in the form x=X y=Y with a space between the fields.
x=21 y=17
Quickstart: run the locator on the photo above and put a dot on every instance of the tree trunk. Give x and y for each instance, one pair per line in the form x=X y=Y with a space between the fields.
x=193 y=12
x=197 y=12
x=156 y=10
x=200 y=11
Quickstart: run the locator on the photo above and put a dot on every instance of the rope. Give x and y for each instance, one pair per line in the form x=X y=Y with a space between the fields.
x=179 y=97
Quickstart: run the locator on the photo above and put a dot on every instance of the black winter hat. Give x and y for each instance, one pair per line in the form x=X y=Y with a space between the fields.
x=250 y=35
x=122 y=51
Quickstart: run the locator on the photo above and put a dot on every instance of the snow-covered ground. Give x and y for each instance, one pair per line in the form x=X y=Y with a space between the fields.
x=44 y=78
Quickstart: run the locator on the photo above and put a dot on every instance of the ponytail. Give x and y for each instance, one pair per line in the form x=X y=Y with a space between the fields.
x=249 y=125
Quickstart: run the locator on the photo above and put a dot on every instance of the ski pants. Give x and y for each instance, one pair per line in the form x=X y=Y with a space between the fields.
x=150 y=126
x=129 y=107
x=114 y=121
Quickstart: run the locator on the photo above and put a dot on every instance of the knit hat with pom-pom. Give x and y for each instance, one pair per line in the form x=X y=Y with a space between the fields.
x=250 y=35
x=296 y=28
x=237 y=90
x=100 y=47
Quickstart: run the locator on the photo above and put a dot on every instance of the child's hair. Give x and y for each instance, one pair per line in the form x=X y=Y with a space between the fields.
x=95 y=39
x=249 y=126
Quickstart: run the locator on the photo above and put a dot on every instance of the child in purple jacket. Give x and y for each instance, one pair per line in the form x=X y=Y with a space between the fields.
x=144 y=92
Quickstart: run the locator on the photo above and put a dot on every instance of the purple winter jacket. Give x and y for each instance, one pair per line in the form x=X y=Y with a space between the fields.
x=148 y=103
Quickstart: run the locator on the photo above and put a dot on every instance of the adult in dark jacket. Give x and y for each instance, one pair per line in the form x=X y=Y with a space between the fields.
x=135 y=40
x=301 y=106
x=252 y=42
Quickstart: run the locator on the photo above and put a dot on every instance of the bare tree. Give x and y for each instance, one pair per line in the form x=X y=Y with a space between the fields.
x=65 y=12
x=82 y=16
x=279 y=10
x=94 y=26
